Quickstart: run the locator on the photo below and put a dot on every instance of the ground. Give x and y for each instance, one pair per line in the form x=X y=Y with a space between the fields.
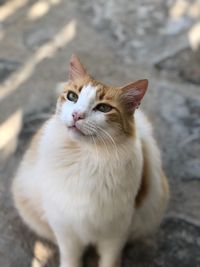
x=119 y=41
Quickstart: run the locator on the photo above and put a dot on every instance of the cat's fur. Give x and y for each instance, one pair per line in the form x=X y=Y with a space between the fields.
x=94 y=180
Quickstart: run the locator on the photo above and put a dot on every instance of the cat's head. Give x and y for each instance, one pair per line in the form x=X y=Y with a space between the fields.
x=92 y=111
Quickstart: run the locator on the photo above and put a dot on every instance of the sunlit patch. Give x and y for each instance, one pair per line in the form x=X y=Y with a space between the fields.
x=54 y=2
x=9 y=131
x=178 y=9
x=42 y=254
x=10 y=128
x=39 y=9
x=47 y=50
x=194 y=36
x=11 y=7
x=182 y=8
x=194 y=10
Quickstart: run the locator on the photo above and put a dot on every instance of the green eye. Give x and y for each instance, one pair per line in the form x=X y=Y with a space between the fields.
x=71 y=96
x=103 y=108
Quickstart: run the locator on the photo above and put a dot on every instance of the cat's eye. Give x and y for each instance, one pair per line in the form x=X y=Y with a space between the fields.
x=103 y=108
x=71 y=96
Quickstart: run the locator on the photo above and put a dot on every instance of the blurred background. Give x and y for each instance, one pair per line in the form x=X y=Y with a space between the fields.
x=119 y=41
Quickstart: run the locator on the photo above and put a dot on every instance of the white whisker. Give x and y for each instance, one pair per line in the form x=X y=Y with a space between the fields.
x=109 y=137
x=97 y=154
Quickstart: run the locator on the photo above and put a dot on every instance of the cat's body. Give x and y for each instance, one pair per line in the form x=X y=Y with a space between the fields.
x=104 y=193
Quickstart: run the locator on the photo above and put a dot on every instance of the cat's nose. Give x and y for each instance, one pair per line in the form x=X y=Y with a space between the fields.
x=77 y=115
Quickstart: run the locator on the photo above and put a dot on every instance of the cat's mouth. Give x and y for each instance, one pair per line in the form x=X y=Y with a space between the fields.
x=82 y=129
x=75 y=129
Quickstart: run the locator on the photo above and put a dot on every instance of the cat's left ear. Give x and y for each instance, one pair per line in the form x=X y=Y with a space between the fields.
x=133 y=93
x=76 y=69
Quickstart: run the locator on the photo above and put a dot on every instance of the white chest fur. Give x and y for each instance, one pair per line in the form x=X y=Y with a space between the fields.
x=86 y=192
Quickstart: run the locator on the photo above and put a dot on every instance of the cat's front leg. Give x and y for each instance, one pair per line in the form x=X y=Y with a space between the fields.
x=110 y=252
x=70 y=249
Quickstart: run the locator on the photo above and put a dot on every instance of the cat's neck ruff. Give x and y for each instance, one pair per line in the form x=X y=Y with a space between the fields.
x=56 y=140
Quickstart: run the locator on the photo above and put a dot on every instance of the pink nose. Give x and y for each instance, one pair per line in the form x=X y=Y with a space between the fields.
x=78 y=115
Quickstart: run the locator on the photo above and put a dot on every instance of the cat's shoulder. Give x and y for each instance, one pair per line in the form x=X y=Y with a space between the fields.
x=142 y=123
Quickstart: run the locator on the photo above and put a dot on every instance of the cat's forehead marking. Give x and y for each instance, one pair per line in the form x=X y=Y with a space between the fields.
x=88 y=92
x=87 y=96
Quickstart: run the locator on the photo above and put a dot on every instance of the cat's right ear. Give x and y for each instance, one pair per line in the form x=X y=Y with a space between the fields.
x=133 y=93
x=76 y=69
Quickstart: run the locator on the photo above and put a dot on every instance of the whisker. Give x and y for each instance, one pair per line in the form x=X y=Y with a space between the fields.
x=91 y=127
x=96 y=149
x=102 y=139
x=109 y=138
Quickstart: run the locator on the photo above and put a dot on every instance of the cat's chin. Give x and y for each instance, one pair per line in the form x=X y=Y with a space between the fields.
x=77 y=134
x=76 y=130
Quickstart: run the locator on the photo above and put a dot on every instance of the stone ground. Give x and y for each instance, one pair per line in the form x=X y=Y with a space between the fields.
x=119 y=41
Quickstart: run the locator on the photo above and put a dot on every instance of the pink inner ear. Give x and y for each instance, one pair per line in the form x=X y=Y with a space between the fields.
x=76 y=69
x=133 y=93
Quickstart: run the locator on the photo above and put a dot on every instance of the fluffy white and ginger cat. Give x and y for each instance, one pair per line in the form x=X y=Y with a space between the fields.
x=93 y=173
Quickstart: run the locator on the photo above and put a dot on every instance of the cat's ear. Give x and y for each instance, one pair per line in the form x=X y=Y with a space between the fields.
x=76 y=69
x=133 y=93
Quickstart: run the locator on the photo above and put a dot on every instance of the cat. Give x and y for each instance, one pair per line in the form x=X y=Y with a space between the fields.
x=93 y=172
